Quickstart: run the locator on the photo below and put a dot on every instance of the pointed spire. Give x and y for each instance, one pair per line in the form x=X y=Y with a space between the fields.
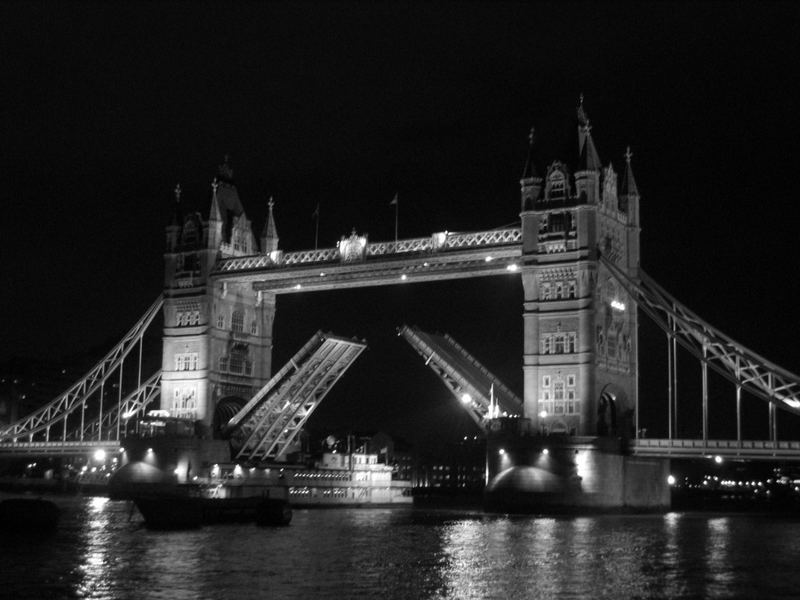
x=530 y=172
x=628 y=187
x=269 y=236
x=214 y=214
x=589 y=159
x=176 y=212
x=582 y=118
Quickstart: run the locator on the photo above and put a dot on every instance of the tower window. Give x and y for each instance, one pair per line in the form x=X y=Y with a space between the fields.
x=186 y=361
x=237 y=321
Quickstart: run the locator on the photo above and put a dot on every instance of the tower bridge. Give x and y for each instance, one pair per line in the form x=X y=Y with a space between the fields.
x=576 y=248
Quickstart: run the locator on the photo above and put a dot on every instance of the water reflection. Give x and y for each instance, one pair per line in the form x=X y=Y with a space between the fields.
x=402 y=553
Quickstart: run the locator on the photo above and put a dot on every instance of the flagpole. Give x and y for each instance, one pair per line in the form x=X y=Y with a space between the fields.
x=316 y=228
x=396 y=203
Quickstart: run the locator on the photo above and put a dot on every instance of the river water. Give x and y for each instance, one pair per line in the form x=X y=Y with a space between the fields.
x=101 y=550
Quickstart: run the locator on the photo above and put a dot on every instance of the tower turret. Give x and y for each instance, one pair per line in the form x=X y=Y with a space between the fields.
x=629 y=192
x=587 y=175
x=269 y=236
x=531 y=182
x=174 y=227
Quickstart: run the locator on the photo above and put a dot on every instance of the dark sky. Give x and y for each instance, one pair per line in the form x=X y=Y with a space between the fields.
x=104 y=108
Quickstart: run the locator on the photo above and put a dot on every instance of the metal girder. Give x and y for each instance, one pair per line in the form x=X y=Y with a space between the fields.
x=271 y=420
x=358 y=263
x=732 y=360
x=68 y=448
x=466 y=378
x=60 y=408
x=731 y=449
x=133 y=405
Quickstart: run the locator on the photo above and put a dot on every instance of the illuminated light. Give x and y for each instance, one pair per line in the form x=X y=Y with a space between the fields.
x=545 y=451
x=466 y=398
x=122 y=450
x=439 y=239
x=177 y=471
x=792 y=402
x=322 y=274
x=543 y=414
x=128 y=414
x=671 y=480
x=298 y=286
x=100 y=455
x=501 y=452
x=275 y=255
x=426 y=264
x=617 y=305
x=488 y=259
x=512 y=267
x=718 y=459
x=149 y=450
x=403 y=277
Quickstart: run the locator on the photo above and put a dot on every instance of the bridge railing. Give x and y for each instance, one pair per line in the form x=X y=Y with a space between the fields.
x=358 y=248
x=744 y=368
x=695 y=448
x=58 y=411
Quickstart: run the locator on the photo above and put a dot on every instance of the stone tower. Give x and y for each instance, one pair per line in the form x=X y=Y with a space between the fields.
x=580 y=356
x=217 y=343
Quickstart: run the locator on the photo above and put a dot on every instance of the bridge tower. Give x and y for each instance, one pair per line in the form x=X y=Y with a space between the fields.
x=580 y=343
x=217 y=342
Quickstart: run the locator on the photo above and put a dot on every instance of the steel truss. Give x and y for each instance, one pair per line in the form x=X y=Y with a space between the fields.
x=744 y=368
x=75 y=398
x=113 y=424
x=466 y=378
x=271 y=420
x=437 y=243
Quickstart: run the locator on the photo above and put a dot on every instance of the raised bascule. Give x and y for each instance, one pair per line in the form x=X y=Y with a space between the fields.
x=572 y=439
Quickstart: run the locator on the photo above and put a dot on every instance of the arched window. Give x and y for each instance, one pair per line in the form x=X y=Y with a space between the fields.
x=190 y=233
x=237 y=321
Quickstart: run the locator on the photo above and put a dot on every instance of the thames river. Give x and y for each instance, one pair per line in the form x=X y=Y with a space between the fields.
x=101 y=550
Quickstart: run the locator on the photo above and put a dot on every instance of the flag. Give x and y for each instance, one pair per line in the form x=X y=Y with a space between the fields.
x=315 y=214
x=394 y=201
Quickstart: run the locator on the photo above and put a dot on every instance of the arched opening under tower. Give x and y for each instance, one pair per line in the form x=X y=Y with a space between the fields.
x=613 y=419
x=226 y=409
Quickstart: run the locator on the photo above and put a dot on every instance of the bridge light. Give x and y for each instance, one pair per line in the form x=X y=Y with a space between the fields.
x=100 y=455
x=298 y=286
x=501 y=452
x=512 y=267
x=403 y=277
x=545 y=451
x=488 y=259
x=618 y=305
x=543 y=414
x=322 y=274
x=718 y=459
x=466 y=398
x=670 y=480
x=792 y=402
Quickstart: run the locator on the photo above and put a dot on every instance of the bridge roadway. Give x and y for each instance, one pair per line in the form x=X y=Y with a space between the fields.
x=357 y=263
x=644 y=447
x=68 y=448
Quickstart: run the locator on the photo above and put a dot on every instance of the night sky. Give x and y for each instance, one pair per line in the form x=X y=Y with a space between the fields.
x=104 y=108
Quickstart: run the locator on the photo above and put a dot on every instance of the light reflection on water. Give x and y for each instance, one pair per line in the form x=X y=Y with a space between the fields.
x=403 y=553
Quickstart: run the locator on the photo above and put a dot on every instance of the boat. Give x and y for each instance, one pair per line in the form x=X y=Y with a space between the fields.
x=191 y=506
x=177 y=479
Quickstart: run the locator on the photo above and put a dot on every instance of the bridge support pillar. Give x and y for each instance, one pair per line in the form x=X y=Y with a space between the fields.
x=538 y=473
